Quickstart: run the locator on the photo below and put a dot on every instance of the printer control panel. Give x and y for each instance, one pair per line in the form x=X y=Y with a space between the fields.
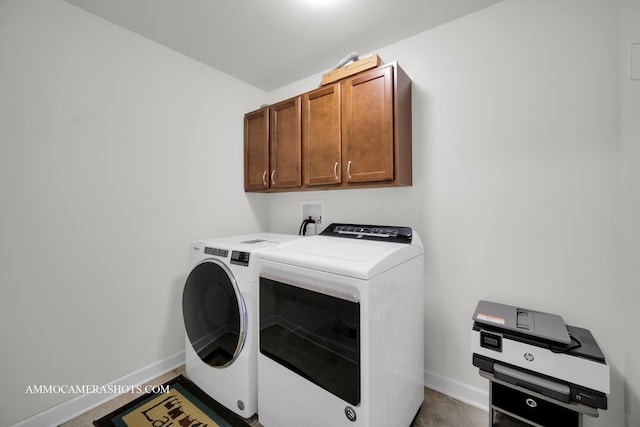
x=491 y=341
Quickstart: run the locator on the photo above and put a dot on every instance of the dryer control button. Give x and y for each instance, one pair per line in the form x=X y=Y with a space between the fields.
x=350 y=413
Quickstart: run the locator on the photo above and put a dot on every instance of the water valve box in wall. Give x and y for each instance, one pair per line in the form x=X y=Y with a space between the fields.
x=312 y=210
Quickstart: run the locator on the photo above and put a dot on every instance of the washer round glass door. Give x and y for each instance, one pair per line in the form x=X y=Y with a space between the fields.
x=215 y=315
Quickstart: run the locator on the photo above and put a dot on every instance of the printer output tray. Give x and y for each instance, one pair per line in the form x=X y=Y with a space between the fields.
x=545 y=387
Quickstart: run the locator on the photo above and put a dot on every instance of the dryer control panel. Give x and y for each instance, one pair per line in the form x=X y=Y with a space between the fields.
x=384 y=233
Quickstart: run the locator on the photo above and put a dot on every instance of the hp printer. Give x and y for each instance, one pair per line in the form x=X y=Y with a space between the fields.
x=539 y=352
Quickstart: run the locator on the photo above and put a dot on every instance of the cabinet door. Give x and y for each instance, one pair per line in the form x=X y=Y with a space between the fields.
x=256 y=150
x=321 y=136
x=368 y=126
x=286 y=147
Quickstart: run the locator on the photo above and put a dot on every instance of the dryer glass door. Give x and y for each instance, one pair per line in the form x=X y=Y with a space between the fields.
x=313 y=333
x=214 y=314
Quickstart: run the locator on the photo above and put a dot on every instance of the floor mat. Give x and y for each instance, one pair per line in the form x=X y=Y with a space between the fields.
x=184 y=405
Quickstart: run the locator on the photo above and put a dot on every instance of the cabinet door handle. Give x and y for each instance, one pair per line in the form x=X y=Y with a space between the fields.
x=349 y=169
x=335 y=170
x=531 y=403
x=264 y=178
x=273 y=181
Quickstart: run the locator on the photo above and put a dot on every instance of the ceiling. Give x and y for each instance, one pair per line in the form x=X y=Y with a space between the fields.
x=271 y=43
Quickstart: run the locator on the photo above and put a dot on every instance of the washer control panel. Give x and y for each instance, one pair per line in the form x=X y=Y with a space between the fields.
x=237 y=257
x=240 y=258
x=222 y=253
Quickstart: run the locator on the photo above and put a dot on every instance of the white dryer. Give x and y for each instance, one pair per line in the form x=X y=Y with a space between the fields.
x=219 y=307
x=341 y=318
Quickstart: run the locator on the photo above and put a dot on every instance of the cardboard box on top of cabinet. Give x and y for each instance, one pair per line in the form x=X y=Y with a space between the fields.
x=363 y=64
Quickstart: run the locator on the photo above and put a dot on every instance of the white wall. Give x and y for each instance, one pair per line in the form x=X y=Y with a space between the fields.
x=516 y=151
x=115 y=152
x=630 y=205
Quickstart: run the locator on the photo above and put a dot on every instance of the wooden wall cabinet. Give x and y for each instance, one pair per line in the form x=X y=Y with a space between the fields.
x=285 y=155
x=272 y=147
x=354 y=133
x=322 y=136
x=368 y=126
x=256 y=150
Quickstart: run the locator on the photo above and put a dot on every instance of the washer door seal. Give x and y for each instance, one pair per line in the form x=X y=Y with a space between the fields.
x=215 y=314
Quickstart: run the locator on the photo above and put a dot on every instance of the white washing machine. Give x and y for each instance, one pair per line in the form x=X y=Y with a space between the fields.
x=341 y=318
x=219 y=307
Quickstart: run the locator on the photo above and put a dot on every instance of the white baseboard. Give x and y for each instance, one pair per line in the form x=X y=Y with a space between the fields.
x=470 y=395
x=78 y=405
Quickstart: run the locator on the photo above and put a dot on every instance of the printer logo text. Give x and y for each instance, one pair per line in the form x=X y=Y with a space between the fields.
x=528 y=357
